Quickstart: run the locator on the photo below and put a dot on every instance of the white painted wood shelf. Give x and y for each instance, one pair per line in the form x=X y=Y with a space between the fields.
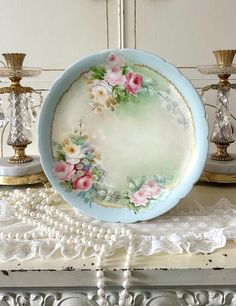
x=158 y=279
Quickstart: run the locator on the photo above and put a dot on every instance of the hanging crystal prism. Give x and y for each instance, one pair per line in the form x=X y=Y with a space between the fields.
x=19 y=134
x=40 y=99
x=27 y=122
x=32 y=109
x=2 y=116
x=222 y=131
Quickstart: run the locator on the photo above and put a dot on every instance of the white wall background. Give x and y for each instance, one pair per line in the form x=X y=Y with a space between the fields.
x=56 y=33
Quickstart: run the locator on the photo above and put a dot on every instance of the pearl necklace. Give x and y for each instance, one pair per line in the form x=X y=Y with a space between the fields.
x=38 y=207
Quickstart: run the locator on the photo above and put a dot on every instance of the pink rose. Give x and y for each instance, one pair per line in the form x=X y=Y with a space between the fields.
x=152 y=189
x=133 y=82
x=114 y=60
x=114 y=76
x=139 y=198
x=64 y=171
x=83 y=183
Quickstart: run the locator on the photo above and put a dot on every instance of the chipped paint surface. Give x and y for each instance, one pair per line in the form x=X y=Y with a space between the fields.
x=224 y=257
x=215 y=269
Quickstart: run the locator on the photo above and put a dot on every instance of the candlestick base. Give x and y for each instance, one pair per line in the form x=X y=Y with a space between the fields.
x=219 y=171
x=23 y=174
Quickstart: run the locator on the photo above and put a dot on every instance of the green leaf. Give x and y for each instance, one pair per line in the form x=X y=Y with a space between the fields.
x=107 y=198
x=96 y=186
x=132 y=187
x=139 y=181
x=80 y=167
x=136 y=183
x=125 y=69
x=96 y=171
x=80 y=173
x=134 y=208
x=59 y=147
x=90 y=156
x=89 y=195
x=68 y=186
x=96 y=177
x=116 y=196
x=102 y=193
x=100 y=172
x=60 y=155
x=77 y=139
x=162 y=180
x=93 y=170
x=86 y=162
x=120 y=94
x=143 y=180
x=98 y=72
x=133 y=182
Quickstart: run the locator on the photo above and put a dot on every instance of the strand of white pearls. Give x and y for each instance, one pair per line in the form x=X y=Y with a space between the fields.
x=124 y=294
x=22 y=202
x=35 y=209
x=100 y=277
x=39 y=209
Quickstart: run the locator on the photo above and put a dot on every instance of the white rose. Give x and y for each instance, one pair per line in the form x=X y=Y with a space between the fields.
x=101 y=92
x=73 y=153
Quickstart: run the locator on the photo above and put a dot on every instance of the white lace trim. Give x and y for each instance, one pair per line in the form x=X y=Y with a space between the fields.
x=193 y=229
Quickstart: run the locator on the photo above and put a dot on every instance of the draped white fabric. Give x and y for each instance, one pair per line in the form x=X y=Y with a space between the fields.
x=193 y=228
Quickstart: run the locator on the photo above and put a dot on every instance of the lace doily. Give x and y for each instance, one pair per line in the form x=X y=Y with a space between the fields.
x=29 y=230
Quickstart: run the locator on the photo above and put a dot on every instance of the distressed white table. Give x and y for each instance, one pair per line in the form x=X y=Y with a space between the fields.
x=158 y=280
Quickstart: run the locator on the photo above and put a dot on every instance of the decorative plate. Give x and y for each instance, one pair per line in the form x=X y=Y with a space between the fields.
x=123 y=135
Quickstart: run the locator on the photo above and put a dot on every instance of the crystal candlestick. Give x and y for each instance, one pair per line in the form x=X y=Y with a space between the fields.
x=222 y=134
x=21 y=112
